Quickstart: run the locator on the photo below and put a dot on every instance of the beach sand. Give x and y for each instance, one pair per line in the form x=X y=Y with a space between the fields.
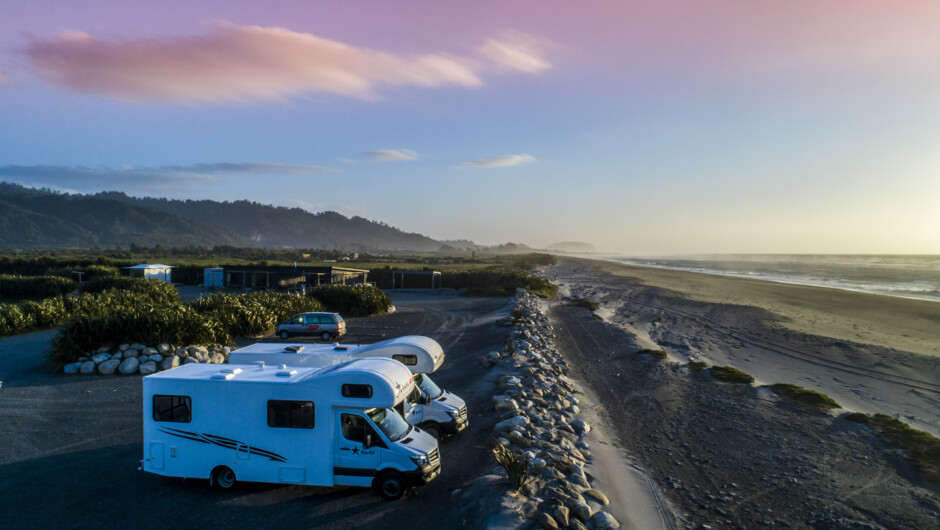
x=870 y=353
x=738 y=456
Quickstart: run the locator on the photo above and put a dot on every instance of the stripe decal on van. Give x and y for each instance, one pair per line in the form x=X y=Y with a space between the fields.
x=221 y=441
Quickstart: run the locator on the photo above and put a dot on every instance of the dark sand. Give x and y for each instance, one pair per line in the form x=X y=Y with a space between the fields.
x=737 y=456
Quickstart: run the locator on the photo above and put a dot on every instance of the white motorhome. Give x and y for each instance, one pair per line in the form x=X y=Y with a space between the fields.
x=323 y=426
x=434 y=410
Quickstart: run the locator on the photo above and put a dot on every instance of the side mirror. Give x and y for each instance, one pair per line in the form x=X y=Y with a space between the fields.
x=368 y=443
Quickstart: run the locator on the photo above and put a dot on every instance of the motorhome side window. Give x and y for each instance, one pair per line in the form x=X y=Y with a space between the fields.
x=291 y=414
x=178 y=409
x=357 y=391
x=408 y=360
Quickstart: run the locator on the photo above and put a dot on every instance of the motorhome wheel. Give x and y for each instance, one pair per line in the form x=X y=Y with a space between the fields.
x=223 y=478
x=433 y=430
x=390 y=485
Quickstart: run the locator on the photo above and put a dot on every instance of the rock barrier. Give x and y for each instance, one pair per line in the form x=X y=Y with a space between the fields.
x=538 y=419
x=137 y=358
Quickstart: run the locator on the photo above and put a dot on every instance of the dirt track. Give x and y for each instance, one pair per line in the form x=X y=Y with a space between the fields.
x=69 y=445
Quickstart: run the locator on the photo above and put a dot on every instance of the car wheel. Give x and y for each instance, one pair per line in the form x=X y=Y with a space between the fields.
x=390 y=485
x=284 y=335
x=326 y=336
x=223 y=478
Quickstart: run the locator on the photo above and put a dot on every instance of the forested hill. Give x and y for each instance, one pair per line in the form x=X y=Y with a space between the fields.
x=33 y=218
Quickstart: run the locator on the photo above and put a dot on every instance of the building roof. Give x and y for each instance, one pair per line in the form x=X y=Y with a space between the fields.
x=151 y=266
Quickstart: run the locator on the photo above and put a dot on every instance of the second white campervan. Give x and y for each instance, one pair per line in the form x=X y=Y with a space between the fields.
x=432 y=409
x=323 y=426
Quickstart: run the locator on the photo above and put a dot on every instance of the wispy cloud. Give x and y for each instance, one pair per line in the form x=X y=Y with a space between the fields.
x=84 y=178
x=517 y=51
x=385 y=155
x=251 y=63
x=500 y=161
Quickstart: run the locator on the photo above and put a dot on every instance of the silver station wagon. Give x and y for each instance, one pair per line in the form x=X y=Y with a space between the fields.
x=324 y=325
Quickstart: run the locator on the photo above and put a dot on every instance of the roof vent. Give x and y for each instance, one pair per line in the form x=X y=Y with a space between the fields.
x=297 y=348
x=338 y=346
x=260 y=365
x=233 y=371
x=223 y=375
x=284 y=372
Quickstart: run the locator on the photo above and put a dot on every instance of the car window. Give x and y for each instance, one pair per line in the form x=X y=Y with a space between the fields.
x=325 y=319
x=297 y=320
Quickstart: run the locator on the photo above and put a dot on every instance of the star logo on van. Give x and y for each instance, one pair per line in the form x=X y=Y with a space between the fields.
x=355 y=450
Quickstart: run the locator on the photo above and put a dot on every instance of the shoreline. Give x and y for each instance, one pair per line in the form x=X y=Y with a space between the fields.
x=756 y=278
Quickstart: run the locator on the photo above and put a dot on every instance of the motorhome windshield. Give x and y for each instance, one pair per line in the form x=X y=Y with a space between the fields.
x=428 y=387
x=390 y=422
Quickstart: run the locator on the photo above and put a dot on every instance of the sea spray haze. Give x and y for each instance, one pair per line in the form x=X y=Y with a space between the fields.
x=916 y=276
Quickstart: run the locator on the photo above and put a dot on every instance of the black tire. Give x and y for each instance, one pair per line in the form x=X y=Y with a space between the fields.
x=284 y=335
x=390 y=485
x=326 y=336
x=433 y=430
x=222 y=478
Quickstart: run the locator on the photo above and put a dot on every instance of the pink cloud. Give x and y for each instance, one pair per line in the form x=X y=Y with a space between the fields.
x=250 y=63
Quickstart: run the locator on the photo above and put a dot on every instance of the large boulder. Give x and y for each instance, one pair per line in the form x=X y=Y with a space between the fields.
x=101 y=357
x=88 y=367
x=164 y=348
x=149 y=351
x=131 y=352
x=170 y=362
x=108 y=367
x=138 y=346
x=104 y=349
x=129 y=366
x=72 y=368
x=124 y=347
x=156 y=357
x=511 y=423
x=580 y=426
x=181 y=353
x=216 y=358
x=604 y=521
x=580 y=509
x=147 y=368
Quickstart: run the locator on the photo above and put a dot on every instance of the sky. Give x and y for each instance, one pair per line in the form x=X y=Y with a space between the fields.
x=641 y=127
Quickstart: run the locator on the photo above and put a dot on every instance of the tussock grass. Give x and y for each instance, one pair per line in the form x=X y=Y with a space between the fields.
x=696 y=366
x=731 y=375
x=584 y=302
x=658 y=354
x=803 y=395
x=922 y=448
x=514 y=464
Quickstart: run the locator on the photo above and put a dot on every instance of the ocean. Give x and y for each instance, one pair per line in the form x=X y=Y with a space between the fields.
x=892 y=275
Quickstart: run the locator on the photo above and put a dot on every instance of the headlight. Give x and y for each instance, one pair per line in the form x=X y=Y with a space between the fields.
x=453 y=414
x=420 y=461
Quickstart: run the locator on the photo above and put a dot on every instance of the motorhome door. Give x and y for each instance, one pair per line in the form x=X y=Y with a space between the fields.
x=354 y=463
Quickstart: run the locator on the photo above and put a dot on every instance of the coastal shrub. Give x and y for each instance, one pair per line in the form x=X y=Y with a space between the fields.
x=657 y=354
x=57 y=310
x=696 y=366
x=498 y=282
x=355 y=301
x=803 y=395
x=12 y=286
x=253 y=314
x=584 y=302
x=515 y=465
x=921 y=448
x=177 y=324
x=729 y=374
